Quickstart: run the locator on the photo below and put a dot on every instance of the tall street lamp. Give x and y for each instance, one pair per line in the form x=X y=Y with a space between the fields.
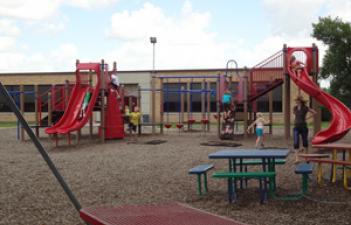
x=153 y=41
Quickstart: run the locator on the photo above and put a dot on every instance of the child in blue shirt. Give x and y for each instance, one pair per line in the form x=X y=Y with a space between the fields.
x=226 y=100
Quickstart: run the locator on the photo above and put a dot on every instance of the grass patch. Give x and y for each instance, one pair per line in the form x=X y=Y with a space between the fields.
x=8 y=124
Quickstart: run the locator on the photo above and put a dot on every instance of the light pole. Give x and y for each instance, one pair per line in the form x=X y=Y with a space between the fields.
x=153 y=41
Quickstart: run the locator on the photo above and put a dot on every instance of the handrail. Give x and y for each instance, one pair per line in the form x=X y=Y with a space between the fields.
x=58 y=102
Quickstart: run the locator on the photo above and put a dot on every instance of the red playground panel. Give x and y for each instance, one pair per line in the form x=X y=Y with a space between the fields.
x=152 y=214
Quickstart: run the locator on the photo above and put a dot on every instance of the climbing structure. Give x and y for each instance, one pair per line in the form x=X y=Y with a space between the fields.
x=75 y=116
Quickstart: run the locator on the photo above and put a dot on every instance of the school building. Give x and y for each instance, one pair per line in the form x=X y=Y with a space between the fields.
x=141 y=83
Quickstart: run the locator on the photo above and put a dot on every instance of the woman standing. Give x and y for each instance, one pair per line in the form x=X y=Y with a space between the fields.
x=300 y=129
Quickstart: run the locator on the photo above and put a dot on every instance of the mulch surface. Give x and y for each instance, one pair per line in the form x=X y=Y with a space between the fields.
x=221 y=143
x=117 y=173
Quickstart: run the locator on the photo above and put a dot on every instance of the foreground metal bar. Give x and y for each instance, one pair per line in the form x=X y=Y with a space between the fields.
x=40 y=148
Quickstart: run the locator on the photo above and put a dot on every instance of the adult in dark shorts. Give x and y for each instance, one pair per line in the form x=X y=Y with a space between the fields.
x=300 y=125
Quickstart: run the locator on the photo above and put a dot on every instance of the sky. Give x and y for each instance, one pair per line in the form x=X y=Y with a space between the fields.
x=49 y=35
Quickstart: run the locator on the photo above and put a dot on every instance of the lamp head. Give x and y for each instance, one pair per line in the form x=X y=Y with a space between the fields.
x=153 y=40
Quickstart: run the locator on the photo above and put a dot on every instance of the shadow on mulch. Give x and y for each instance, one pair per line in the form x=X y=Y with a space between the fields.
x=221 y=143
x=152 y=142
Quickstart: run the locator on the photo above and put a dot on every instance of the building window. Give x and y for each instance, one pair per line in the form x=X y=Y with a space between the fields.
x=263 y=101
x=43 y=94
x=14 y=92
x=172 y=95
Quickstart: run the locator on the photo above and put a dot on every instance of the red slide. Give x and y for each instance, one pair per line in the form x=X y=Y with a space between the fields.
x=341 y=115
x=71 y=119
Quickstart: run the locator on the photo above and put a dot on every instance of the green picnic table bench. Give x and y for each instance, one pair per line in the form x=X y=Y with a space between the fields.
x=261 y=176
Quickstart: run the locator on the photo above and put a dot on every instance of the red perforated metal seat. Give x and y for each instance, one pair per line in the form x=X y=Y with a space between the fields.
x=179 y=125
x=152 y=214
x=204 y=121
x=191 y=121
x=168 y=125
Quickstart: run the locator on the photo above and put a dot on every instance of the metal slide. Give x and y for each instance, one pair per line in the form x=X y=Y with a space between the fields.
x=341 y=115
x=71 y=120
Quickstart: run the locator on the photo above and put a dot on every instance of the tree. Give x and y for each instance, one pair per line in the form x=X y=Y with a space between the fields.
x=336 y=34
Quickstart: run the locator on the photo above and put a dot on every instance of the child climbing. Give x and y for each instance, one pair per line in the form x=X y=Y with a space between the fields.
x=296 y=66
x=228 y=117
x=259 y=122
x=115 y=83
x=226 y=100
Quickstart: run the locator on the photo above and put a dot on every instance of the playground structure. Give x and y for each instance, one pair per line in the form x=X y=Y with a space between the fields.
x=247 y=86
x=185 y=92
x=103 y=97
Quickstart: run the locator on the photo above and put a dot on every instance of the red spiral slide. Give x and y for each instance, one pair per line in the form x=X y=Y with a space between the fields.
x=341 y=115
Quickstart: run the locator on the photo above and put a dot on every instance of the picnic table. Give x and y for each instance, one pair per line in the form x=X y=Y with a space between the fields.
x=335 y=149
x=235 y=159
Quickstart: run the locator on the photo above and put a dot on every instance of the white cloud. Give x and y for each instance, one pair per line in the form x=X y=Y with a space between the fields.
x=24 y=9
x=62 y=58
x=89 y=4
x=43 y=9
x=49 y=27
x=183 y=40
x=7 y=43
x=296 y=17
x=340 y=8
x=8 y=27
x=291 y=17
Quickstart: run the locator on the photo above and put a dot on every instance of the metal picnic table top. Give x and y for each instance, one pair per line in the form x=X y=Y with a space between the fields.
x=249 y=153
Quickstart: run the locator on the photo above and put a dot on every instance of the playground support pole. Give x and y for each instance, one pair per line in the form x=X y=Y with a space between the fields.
x=203 y=115
x=22 y=109
x=286 y=94
x=188 y=86
x=66 y=99
x=270 y=100
x=182 y=107
x=79 y=131
x=92 y=114
x=36 y=109
x=102 y=119
x=315 y=104
x=153 y=103
x=245 y=98
x=140 y=109
x=161 y=105
x=208 y=105
x=218 y=107
x=50 y=106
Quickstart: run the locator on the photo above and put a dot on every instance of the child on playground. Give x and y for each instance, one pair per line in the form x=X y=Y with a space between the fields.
x=228 y=117
x=115 y=83
x=226 y=100
x=259 y=122
x=134 y=119
x=85 y=104
x=296 y=65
